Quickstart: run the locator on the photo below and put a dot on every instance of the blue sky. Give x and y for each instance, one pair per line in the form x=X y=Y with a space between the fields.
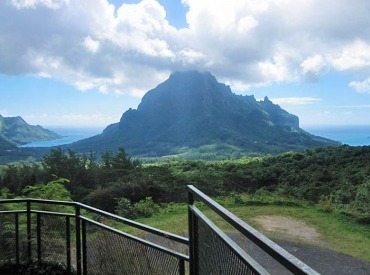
x=83 y=63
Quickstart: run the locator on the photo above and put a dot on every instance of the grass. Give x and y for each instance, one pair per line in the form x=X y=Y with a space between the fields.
x=338 y=233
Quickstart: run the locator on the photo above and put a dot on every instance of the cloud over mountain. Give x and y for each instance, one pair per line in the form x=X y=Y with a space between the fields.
x=92 y=45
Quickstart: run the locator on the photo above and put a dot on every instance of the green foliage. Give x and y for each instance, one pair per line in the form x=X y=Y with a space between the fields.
x=15 y=129
x=362 y=197
x=335 y=178
x=125 y=208
x=142 y=209
x=54 y=190
x=4 y=193
x=146 y=207
x=16 y=176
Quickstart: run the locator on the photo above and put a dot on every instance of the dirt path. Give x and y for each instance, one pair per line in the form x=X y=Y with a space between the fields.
x=289 y=231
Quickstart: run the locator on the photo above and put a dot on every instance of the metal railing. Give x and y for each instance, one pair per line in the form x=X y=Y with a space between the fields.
x=214 y=252
x=83 y=240
x=86 y=240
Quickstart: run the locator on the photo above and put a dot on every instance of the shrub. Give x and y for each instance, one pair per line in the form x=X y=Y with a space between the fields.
x=146 y=207
x=125 y=208
x=142 y=209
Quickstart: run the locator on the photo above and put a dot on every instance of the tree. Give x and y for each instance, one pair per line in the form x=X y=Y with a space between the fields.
x=53 y=190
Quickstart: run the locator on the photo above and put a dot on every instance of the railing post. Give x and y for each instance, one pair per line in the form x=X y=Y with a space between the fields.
x=78 y=239
x=84 y=259
x=17 y=239
x=29 y=239
x=181 y=267
x=192 y=261
x=38 y=229
x=68 y=243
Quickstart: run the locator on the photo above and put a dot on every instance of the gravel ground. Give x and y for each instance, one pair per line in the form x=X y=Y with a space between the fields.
x=322 y=260
x=326 y=261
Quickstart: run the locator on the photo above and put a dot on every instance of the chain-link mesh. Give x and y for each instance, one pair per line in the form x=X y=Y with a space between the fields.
x=53 y=239
x=271 y=265
x=213 y=256
x=113 y=254
x=7 y=238
x=8 y=244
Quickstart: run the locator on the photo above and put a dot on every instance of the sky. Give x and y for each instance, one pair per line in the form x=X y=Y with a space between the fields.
x=83 y=63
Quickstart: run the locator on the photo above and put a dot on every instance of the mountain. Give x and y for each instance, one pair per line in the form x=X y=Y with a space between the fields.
x=193 y=112
x=15 y=131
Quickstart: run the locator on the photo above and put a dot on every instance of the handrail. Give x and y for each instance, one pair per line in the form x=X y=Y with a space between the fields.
x=25 y=200
x=253 y=265
x=27 y=206
x=137 y=225
x=281 y=255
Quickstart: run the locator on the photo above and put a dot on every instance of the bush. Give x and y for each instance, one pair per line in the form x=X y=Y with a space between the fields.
x=142 y=209
x=146 y=207
x=125 y=208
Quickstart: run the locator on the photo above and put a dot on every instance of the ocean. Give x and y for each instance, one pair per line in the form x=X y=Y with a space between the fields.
x=354 y=135
x=347 y=134
x=70 y=135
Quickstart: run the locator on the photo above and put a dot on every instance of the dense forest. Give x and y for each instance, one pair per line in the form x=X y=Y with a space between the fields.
x=337 y=178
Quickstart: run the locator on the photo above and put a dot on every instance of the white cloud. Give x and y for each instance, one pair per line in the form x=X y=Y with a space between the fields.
x=91 y=45
x=353 y=56
x=295 y=100
x=53 y=4
x=361 y=87
x=313 y=64
x=279 y=69
x=76 y=119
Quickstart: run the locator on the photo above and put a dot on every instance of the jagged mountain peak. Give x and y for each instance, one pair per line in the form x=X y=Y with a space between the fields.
x=191 y=109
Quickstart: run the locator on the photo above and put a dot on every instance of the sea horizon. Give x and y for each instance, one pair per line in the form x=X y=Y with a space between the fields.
x=353 y=135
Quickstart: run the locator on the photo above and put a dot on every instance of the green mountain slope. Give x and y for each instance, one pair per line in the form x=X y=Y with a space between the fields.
x=192 y=110
x=16 y=131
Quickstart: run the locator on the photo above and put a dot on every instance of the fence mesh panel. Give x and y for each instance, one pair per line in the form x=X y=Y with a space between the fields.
x=53 y=239
x=111 y=253
x=7 y=238
x=214 y=256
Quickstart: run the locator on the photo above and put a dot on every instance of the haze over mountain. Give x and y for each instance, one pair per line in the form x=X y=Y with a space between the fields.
x=193 y=112
x=15 y=131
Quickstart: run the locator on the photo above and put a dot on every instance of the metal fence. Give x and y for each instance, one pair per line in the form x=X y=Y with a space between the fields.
x=77 y=238
x=85 y=240
x=214 y=252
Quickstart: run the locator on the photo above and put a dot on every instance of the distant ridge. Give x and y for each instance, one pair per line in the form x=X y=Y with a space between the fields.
x=15 y=131
x=192 y=112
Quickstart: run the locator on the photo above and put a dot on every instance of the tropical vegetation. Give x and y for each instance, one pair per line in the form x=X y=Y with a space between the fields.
x=336 y=178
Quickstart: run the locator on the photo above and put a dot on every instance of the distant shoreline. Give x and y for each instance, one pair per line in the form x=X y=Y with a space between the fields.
x=354 y=135
x=69 y=135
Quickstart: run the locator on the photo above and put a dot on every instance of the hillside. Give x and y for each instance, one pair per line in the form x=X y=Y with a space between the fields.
x=193 y=112
x=16 y=131
x=6 y=144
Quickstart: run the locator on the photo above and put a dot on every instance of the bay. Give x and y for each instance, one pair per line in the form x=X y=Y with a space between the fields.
x=70 y=135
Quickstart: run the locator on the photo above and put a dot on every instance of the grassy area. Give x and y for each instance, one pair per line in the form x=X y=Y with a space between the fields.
x=336 y=232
